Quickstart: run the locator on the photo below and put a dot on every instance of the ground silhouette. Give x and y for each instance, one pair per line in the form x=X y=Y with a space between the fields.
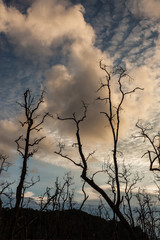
x=68 y=224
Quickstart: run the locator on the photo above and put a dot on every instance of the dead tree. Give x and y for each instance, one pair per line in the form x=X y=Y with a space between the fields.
x=130 y=184
x=60 y=197
x=112 y=115
x=6 y=192
x=26 y=186
x=27 y=147
x=147 y=215
x=154 y=144
x=5 y=186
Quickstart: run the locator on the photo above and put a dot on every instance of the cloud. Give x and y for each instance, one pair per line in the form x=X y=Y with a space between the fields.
x=146 y=8
x=32 y=199
x=29 y=195
x=8 y=135
x=66 y=89
x=49 y=25
x=37 y=35
x=147 y=11
x=44 y=25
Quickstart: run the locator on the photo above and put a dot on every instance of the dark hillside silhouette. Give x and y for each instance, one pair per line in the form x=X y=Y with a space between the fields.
x=69 y=224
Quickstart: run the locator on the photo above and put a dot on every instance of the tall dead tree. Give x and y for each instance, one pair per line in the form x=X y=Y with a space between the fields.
x=112 y=115
x=26 y=145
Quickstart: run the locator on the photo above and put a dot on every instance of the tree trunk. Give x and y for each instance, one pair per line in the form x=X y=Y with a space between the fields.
x=112 y=205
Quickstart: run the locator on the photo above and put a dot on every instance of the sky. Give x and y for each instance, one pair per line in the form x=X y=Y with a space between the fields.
x=56 y=45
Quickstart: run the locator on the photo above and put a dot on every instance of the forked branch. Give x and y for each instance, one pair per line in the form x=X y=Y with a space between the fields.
x=154 y=142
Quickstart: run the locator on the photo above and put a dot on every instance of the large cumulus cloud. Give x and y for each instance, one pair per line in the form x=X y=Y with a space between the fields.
x=46 y=23
x=52 y=28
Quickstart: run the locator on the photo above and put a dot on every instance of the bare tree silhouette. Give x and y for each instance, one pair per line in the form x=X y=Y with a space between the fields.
x=27 y=147
x=154 y=143
x=112 y=115
x=5 y=186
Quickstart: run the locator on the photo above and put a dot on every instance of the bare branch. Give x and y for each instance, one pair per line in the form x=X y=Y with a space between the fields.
x=36 y=127
x=61 y=148
x=90 y=155
x=154 y=154
x=85 y=196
